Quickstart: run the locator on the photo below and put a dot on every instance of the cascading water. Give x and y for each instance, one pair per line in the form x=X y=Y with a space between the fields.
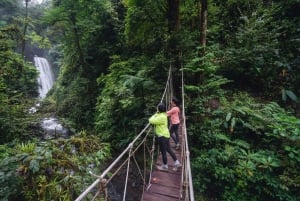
x=46 y=76
x=53 y=129
x=51 y=126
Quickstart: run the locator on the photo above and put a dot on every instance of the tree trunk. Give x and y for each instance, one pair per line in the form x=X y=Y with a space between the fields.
x=25 y=28
x=77 y=40
x=203 y=22
x=173 y=46
x=202 y=13
x=173 y=15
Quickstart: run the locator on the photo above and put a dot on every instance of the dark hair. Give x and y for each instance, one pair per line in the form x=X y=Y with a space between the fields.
x=175 y=100
x=161 y=107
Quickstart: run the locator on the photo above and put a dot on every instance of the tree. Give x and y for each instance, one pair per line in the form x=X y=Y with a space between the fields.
x=203 y=22
x=16 y=86
x=173 y=15
x=25 y=27
x=87 y=31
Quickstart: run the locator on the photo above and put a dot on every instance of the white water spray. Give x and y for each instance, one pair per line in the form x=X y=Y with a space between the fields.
x=46 y=76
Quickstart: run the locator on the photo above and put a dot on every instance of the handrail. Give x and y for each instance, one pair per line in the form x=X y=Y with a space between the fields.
x=188 y=164
x=93 y=185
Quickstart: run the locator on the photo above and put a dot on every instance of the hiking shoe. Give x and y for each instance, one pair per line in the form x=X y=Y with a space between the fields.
x=176 y=166
x=162 y=167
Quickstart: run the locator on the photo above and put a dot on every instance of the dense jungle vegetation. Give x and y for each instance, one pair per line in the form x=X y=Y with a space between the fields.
x=241 y=66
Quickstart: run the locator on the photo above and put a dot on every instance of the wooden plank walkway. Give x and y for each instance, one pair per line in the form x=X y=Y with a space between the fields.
x=165 y=185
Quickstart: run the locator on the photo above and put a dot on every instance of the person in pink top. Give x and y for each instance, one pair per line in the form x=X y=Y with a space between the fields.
x=173 y=113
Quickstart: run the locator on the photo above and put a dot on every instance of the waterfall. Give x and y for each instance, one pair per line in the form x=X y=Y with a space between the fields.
x=51 y=126
x=46 y=76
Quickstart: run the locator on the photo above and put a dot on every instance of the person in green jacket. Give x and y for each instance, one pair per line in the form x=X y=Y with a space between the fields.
x=160 y=121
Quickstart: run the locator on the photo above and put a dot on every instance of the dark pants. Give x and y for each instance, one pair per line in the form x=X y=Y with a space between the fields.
x=174 y=132
x=165 y=147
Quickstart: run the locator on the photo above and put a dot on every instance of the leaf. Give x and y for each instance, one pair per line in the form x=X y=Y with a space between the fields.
x=34 y=166
x=242 y=144
x=225 y=124
x=223 y=137
x=283 y=94
x=228 y=116
x=240 y=110
x=232 y=122
x=291 y=95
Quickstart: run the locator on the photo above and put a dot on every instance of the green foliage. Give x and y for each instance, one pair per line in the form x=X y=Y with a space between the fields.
x=288 y=21
x=87 y=31
x=260 y=56
x=8 y=8
x=18 y=75
x=145 y=22
x=288 y=94
x=240 y=150
x=122 y=106
x=76 y=105
x=228 y=16
x=40 y=41
x=54 y=170
x=18 y=82
x=253 y=54
x=235 y=139
x=10 y=184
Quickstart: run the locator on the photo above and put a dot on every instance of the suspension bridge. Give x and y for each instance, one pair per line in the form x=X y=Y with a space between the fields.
x=134 y=168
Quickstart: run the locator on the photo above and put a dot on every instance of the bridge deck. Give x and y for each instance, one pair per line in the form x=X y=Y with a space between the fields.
x=165 y=185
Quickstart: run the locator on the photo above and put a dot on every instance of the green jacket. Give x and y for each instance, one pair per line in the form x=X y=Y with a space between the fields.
x=160 y=121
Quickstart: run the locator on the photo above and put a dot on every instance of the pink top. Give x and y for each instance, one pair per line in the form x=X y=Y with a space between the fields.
x=174 y=114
